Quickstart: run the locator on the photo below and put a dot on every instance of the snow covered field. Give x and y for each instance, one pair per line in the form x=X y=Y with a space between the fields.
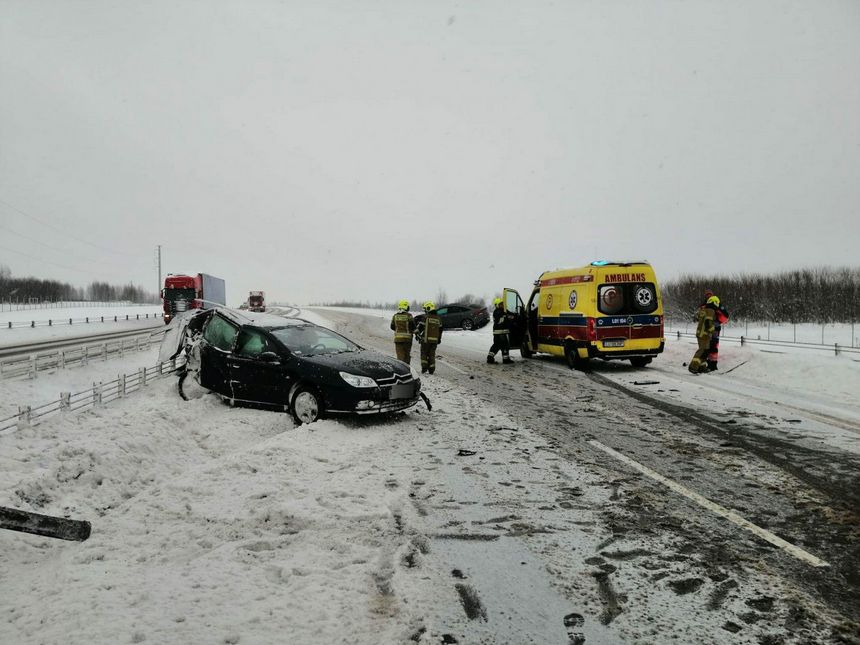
x=465 y=524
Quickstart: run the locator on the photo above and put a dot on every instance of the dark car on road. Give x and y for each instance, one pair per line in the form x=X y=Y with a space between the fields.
x=458 y=316
x=289 y=364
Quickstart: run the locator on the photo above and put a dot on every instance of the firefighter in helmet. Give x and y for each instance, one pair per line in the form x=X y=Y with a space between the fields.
x=721 y=317
x=501 y=333
x=429 y=335
x=705 y=325
x=403 y=326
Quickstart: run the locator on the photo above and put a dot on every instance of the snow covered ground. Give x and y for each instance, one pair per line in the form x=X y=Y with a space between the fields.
x=76 y=378
x=465 y=524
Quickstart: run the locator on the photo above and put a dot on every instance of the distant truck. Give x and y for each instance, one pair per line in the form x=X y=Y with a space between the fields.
x=257 y=301
x=184 y=292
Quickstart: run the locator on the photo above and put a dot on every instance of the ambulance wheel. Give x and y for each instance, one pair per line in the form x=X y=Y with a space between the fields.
x=574 y=361
x=640 y=361
x=468 y=324
x=306 y=406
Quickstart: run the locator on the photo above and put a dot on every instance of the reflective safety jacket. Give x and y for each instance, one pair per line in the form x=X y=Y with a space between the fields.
x=706 y=321
x=721 y=316
x=430 y=330
x=501 y=321
x=403 y=325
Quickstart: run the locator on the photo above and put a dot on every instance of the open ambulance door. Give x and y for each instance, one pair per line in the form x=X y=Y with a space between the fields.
x=513 y=305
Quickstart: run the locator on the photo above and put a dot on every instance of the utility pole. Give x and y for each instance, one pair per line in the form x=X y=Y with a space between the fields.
x=158 y=288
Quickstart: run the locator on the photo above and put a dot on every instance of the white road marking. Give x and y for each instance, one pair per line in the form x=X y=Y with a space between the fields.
x=456 y=369
x=722 y=511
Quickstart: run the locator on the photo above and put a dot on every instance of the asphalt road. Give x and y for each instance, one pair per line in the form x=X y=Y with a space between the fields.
x=724 y=501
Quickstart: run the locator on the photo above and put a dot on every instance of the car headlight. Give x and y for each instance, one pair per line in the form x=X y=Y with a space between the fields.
x=414 y=373
x=357 y=381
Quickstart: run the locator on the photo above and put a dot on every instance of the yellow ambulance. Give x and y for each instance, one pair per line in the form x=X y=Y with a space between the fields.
x=608 y=310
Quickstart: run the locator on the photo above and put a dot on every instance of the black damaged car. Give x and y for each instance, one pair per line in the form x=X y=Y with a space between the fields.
x=288 y=364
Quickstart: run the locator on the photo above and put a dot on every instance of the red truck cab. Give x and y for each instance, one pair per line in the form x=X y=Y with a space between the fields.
x=178 y=294
x=198 y=291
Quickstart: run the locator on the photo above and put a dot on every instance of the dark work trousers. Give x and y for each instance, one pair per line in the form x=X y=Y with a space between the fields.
x=428 y=357
x=500 y=342
x=404 y=351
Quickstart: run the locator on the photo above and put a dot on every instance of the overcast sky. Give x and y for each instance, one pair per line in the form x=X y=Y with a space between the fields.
x=379 y=150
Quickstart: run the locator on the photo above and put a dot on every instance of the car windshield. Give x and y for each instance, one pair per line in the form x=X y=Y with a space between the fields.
x=310 y=340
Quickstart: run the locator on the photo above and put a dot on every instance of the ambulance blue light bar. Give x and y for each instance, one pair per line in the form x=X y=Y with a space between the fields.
x=600 y=263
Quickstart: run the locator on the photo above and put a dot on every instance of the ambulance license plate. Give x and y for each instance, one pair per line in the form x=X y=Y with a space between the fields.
x=402 y=391
x=613 y=343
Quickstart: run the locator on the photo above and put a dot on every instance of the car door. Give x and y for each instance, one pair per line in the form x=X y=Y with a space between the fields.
x=218 y=339
x=513 y=304
x=456 y=313
x=533 y=318
x=257 y=370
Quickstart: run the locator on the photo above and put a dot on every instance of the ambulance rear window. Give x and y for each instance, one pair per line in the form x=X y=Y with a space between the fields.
x=610 y=299
x=627 y=298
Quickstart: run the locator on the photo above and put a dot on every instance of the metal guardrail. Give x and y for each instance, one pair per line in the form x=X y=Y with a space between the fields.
x=31 y=365
x=85 y=320
x=836 y=348
x=100 y=394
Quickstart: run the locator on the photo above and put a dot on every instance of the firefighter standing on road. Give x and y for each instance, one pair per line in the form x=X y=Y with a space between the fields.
x=721 y=317
x=705 y=319
x=403 y=325
x=429 y=335
x=501 y=333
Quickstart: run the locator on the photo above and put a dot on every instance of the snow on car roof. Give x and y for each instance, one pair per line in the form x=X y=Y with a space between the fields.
x=260 y=319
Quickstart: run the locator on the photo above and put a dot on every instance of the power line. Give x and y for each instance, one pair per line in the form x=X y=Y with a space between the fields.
x=62 y=266
x=48 y=246
x=64 y=232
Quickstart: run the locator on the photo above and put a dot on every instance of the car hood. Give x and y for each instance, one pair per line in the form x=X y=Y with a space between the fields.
x=362 y=363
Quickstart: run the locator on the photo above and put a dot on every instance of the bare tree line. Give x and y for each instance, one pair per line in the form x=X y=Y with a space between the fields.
x=415 y=305
x=814 y=295
x=25 y=289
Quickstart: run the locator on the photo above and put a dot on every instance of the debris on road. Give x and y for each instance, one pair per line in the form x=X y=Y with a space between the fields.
x=45 y=525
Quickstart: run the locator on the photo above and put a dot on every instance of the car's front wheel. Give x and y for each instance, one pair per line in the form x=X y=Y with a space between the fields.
x=188 y=387
x=468 y=324
x=306 y=406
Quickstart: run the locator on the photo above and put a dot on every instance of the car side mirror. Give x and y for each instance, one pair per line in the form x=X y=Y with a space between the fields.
x=270 y=357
